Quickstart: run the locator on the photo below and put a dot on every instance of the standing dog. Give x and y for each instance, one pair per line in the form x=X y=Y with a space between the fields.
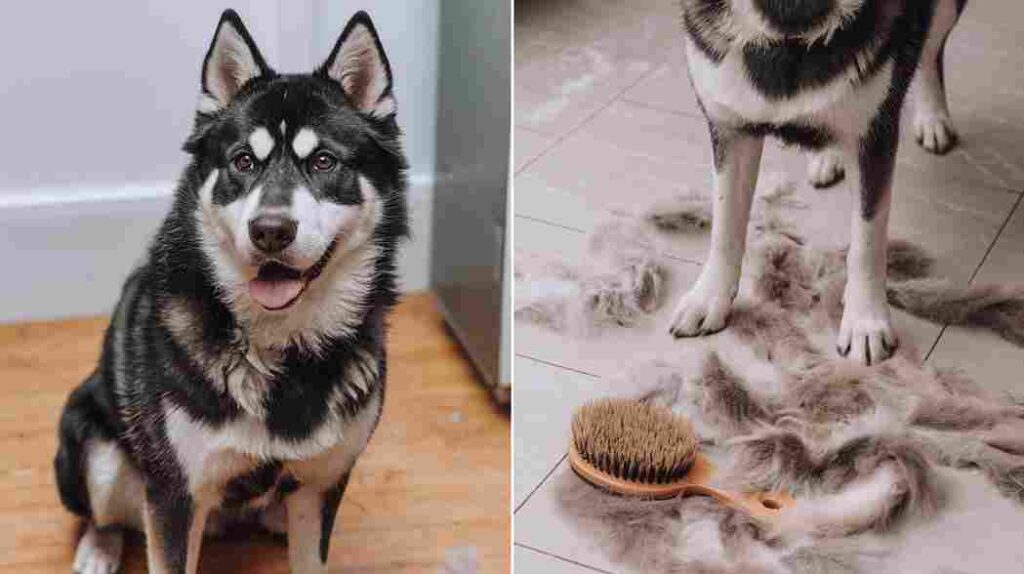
x=826 y=75
x=243 y=370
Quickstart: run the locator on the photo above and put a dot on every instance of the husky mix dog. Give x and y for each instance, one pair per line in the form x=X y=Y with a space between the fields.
x=830 y=76
x=243 y=370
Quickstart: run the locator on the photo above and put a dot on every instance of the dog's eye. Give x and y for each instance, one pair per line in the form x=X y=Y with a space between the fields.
x=323 y=161
x=244 y=162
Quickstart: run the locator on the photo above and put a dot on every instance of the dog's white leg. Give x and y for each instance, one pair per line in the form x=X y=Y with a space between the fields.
x=932 y=125
x=99 y=551
x=825 y=168
x=115 y=490
x=704 y=309
x=311 y=514
x=865 y=333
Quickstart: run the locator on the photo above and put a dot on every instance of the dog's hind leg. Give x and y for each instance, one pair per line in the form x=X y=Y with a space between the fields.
x=704 y=309
x=96 y=481
x=933 y=127
x=825 y=168
x=99 y=551
x=115 y=498
x=865 y=332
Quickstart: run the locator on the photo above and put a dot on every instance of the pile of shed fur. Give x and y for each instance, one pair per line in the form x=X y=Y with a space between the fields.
x=897 y=467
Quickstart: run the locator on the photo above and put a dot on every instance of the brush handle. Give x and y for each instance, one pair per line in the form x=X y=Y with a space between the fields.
x=765 y=505
x=697 y=482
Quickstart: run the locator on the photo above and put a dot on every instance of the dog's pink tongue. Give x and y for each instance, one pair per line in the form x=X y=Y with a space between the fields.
x=274 y=294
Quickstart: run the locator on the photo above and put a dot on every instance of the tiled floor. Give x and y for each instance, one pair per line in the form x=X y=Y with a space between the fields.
x=605 y=119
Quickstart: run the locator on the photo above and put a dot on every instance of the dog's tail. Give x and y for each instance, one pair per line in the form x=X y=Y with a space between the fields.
x=80 y=421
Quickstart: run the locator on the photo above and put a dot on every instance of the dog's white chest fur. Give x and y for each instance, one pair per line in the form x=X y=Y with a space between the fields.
x=211 y=456
x=727 y=94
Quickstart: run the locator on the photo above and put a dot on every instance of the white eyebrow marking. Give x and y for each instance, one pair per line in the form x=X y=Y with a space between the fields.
x=262 y=143
x=305 y=142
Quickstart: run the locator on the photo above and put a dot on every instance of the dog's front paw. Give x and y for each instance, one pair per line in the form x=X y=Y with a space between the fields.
x=703 y=310
x=825 y=169
x=99 y=551
x=865 y=333
x=934 y=132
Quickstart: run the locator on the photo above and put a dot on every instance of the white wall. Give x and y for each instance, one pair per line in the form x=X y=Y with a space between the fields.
x=95 y=103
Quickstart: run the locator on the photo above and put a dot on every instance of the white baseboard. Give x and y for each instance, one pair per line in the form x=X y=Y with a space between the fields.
x=66 y=252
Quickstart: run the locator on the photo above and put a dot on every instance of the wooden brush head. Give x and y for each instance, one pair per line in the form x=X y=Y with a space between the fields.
x=630 y=447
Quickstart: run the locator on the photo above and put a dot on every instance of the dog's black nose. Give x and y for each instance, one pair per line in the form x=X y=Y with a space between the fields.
x=272 y=233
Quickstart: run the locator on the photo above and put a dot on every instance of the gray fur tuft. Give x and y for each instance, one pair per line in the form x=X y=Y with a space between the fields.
x=690 y=213
x=987 y=306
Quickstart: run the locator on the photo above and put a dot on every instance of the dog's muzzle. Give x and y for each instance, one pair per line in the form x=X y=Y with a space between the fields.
x=277 y=286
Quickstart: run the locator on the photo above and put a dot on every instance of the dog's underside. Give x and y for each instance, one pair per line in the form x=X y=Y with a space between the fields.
x=830 y=76
x=243 y=371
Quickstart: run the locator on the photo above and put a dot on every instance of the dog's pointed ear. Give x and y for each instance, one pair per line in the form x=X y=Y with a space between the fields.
x=359 y=64
x=232 y=60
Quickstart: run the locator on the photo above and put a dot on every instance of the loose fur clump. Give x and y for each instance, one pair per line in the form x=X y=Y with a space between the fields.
x=969 y=450
x=725 y=400
x=999 y=308
x=784 y=278
x=906 y=260
x=961 y=413
x=624 y=280
x=622 y=298
x=840 y=437
x=914 y=491
x=640 y=533
x=779 y=192
x=771 y=459
x=833 y=391
x=857 y=445
x=772 y=334
x=689 y=213
x=545 y=292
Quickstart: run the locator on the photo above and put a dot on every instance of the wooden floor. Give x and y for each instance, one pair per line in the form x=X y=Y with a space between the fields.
x=433 y=482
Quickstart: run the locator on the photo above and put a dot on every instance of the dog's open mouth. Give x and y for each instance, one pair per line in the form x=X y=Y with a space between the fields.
x=278 y=286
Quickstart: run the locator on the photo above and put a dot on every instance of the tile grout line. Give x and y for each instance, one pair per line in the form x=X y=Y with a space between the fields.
x=586 y=120
x=1002 y=228
x=663 y=109
x=672 y=256
x=556 y=365
x=984 y=258
x=562 y=558
x=540 y=484
x=551 y=223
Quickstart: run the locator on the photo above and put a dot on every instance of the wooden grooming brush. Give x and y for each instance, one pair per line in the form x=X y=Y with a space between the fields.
x=645 y=451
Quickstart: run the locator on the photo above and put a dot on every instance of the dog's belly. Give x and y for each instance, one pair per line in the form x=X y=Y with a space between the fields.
x=239 y=462
x=843 y=107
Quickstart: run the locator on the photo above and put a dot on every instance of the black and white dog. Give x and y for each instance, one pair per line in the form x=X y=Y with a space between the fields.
x=830 y=76
x=243 y=370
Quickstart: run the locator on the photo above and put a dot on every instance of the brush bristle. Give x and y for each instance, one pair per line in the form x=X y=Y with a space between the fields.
x=634 y=441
